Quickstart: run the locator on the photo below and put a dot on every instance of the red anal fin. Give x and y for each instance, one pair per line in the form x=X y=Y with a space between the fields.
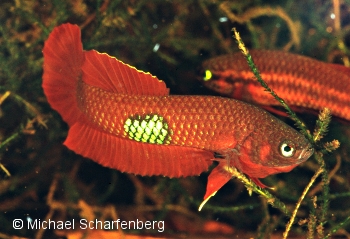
x=135 y=157
x=110 y=74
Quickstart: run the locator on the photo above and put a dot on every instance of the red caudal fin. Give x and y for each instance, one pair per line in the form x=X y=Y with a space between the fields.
x=110 y=74
x=63 y=58
x=135 y=157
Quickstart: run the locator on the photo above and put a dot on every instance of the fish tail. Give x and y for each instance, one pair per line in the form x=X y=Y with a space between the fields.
x=63 y=59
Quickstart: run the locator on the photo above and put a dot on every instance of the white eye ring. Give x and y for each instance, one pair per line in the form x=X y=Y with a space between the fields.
x=287 y=149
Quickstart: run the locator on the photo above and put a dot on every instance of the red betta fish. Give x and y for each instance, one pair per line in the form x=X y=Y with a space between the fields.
x=125 y=119
x=303 y=82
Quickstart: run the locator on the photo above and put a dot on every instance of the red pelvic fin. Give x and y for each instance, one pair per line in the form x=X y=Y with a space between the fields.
x=63 y=58
x=258 y=182
x=135 y=157
x=216 y=179
x=110 y=74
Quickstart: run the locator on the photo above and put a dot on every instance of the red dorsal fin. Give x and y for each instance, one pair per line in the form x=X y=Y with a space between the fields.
x=135 y=157
x=110 y=74
x=63 y=58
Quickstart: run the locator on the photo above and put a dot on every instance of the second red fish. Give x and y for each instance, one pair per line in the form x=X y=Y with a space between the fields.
x=302 y=82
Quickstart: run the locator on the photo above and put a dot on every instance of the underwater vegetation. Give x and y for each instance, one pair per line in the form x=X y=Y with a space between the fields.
x=42 y=181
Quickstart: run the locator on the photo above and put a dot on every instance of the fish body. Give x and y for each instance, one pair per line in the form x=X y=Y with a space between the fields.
x=301 y=81
x=125 y=119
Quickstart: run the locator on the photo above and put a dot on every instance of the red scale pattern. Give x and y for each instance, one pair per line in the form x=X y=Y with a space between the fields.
x=201 y=122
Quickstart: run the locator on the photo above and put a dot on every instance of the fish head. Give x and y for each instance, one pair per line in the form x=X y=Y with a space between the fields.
x=233 y=84
x=216 y=81
x=271 y=147
x=220 y=76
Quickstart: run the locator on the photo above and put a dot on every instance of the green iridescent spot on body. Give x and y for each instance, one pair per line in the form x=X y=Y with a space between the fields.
x=151 y=129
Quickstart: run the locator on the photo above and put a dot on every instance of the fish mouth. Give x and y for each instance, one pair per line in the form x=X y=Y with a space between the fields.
x=306 y=153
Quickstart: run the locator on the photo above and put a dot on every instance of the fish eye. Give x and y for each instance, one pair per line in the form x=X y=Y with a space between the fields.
x=207 y=75
x=287 y=149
